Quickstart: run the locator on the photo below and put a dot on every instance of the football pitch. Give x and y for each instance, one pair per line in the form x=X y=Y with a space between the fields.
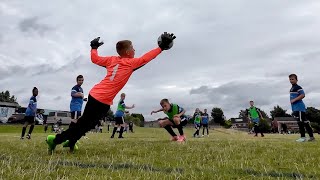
x=149 y=154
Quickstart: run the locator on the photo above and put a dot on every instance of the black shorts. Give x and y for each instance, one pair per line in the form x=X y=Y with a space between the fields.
x=119 y=120
x=29 y=119
x=75 y=114
x=182 y=123
x=300 y=116
x=204 y=125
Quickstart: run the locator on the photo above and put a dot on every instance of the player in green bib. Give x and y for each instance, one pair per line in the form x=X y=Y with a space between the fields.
x=197 y=122
x=254 y=115
x=175 y=119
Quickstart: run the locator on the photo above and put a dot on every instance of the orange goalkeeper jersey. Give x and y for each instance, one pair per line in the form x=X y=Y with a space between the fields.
x=119 y=71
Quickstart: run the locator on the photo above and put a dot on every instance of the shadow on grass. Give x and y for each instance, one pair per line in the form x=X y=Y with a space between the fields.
x=120 y=166
x=293 y=175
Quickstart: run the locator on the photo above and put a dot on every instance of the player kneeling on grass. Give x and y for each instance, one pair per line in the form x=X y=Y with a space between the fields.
x=175 y=119
x=119 y=69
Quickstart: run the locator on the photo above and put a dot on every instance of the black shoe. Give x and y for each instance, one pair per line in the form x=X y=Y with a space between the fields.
x=262 y=135
x=112 y=137
x=120 y=137
x=22 y=138
x=28 y=136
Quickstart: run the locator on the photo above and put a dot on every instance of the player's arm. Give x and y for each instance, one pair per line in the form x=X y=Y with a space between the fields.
x=181 y=112
x=137 y=63
x=129 y=107
x=157 y=111
x=95 y=58
x=260 y=115
x=75 y=93
x=99 y=60
x=300 y=97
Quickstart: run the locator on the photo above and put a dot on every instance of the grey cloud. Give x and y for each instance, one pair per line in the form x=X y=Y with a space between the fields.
x=235 y=95
x=225 y=54
x=33 y=24
x=57 y=98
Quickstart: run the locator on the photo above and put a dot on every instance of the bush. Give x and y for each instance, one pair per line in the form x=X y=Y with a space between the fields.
x=136 y=121
x=227 y=124
x=316 y=127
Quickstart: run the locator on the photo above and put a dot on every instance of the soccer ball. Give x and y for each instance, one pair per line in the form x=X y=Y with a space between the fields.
x=160 y=40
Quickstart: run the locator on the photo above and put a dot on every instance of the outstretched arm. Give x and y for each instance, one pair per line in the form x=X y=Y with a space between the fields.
x=138 y=62
x=99 y=60
x=156 y=111
x=129 y=107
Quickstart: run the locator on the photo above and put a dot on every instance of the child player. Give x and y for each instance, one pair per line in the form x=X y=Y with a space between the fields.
x=119 y=115
x=254 y=115
x=30 y=114
x=176 y=118
x=299 y=109
x=197 y=122
x=119 y=69
x=205 y=122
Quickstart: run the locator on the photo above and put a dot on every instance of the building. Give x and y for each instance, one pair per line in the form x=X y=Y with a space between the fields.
x=6 y=110
x=240 y=123
x=291 y=123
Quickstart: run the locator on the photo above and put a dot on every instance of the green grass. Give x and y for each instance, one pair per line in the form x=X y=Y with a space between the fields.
x=148 y=154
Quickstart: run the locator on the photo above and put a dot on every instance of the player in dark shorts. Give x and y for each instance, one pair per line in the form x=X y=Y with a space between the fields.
x=197 y=122
x=30 y=114
x=131 y=126
x=119 y=69
x=255 y=115
x=299 y=109
x=77 y=99
x=119 y=116
x=205 y=122
x=176 y=119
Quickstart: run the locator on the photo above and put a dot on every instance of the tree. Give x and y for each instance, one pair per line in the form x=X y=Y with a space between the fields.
x=6 y=97
x=313 y=114
x=140 y=117
x=264 y=114
x=243 y=114
x=136 y=121
x=110 y=115
x=279 y=112
x=217 y=115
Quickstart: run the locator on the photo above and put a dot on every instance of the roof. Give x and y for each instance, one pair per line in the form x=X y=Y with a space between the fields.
x=9 y=104
x=284 y=119
x=239 y=120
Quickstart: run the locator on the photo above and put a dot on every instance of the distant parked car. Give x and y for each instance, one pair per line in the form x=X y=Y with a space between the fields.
x=54 y=117
x=3 y=120
x=16 y=118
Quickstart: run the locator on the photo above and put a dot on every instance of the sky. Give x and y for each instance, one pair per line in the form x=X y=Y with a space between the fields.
x=226 y=52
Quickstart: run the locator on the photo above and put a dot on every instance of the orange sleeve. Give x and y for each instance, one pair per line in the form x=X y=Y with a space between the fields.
x=138 y=62
x=101 y=61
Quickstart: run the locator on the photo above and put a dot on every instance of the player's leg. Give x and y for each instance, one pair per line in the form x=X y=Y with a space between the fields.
x=298 y=117
x=307 y=126
x=182 y=137
x=74 y=117
x=207 y=129
x=117 y=125
x=32 y=123
x=121 y=128
x=24 y=127
x=167 y=125
x=197 y=127
x=93 y=112
x=256 y=128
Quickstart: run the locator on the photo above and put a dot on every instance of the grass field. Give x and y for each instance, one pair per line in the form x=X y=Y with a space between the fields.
x=148 y=154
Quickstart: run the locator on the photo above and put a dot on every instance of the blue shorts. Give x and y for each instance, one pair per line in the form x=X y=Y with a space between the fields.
x=255 y=120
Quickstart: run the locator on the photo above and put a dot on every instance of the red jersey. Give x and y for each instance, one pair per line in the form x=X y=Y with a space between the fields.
x=119 y=71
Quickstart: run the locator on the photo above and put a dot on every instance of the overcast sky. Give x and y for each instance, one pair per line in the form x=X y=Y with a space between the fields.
x=226 y=52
